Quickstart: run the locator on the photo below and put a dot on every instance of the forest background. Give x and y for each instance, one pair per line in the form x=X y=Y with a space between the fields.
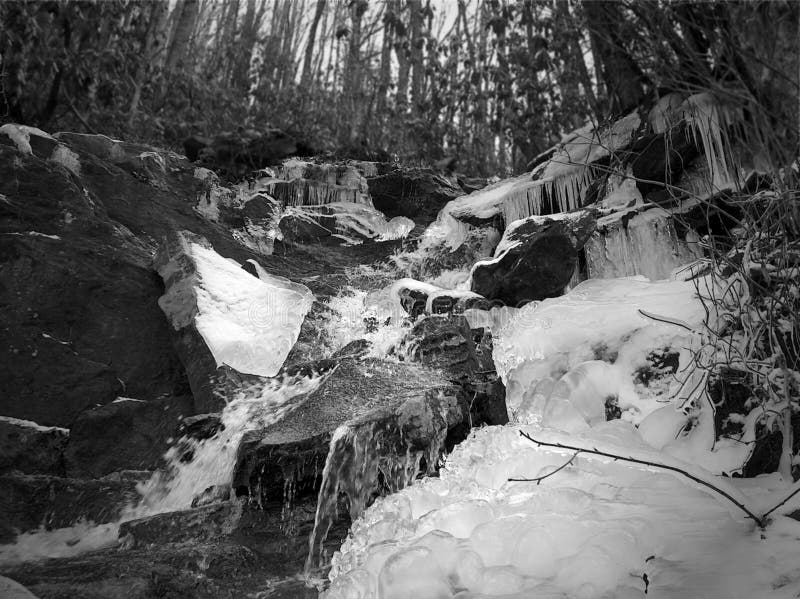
x=493 y=83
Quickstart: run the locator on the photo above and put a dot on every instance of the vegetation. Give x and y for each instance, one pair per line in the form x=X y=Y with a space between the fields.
x=492 y=82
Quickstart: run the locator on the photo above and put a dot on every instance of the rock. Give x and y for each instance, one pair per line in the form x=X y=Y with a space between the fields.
x=29 y=448
x=394 y=401
x=223 y=316
x=448 y=344
x=306 y=228
x=416 y=193
x=10 y=589
x=198 y=524
x=127 y=434
x=234 y=153
x=29 y=501
x=535 y=259
x=77 y=303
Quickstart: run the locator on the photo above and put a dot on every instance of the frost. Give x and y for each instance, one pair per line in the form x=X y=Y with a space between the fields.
x=67 y=158
x=21 y=135
x=33 y=425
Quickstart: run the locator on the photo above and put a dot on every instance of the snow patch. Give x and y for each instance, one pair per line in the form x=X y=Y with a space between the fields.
x=33 y=425
x=21 y=135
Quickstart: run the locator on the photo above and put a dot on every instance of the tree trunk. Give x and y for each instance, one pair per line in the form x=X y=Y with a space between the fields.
x=416 y=43
x=312 y=36
x=384 y=77
x=623 y=79
x=179 y=47
x=401 y=50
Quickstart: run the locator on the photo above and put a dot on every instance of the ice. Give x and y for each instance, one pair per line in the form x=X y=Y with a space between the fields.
x=33 y=425
x=591 y=530
x=709 y=120
x=248 y=323
x=644 y=244
x=21 y=135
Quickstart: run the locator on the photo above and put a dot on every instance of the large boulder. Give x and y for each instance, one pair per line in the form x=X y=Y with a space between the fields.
x=127 y=434
x=535 y=259
x=77 y=304
x=30 y=448
x=416 y=193
x=225 y=320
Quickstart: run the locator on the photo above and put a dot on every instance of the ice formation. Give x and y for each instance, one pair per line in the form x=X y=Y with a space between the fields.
x=356 y=221
x=637 y=242
x=709 y=121
x=596 y=528
x=508 y=517
x=247 y=323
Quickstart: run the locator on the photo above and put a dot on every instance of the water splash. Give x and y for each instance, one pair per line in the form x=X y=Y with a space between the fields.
x=363 y=462
x=209 y=471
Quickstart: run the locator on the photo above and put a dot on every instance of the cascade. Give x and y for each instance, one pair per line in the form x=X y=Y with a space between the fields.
x=364 y=461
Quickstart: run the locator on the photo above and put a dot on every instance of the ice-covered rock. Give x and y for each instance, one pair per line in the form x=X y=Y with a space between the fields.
x=30 y=448
x=223 y=315
x=638 y=241
x=347 y=222
x=535 y=259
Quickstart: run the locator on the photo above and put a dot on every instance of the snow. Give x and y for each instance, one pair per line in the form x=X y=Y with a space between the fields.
x=593 y=529
x=248 y=323
x=33 y=425
x=21 y=135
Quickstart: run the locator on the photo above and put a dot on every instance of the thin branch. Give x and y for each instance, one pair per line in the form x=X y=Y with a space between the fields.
x=737 y=503
x=539 y=479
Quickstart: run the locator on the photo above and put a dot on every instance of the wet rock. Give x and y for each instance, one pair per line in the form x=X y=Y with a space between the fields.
x=29 y=448
x=302 y=228
x=416 y=193
x=197 y=524
x=393 y=400
x=30 y=501
x=535 y=259
x=201 y=426
x=127 y=434
x=10 y=589
x=465 y=355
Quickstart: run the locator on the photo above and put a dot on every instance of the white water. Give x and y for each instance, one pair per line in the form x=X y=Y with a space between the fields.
x=179 y=484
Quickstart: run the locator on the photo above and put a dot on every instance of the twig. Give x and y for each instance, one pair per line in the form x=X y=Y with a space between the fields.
x=539 y=479
x=741 y=506
x=787 y=498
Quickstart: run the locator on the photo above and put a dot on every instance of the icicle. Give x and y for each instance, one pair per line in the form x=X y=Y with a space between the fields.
x=709 y=122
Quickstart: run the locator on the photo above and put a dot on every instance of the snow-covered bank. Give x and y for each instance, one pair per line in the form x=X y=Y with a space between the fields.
x=596 y=528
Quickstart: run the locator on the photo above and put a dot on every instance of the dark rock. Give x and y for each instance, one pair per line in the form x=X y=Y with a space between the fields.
x=77 y=303
x=416 y=193
x=29 y=501
x=539 y=263
x=449 y=345
x=31 y=449
x=127 y=434
x=198 y=524
x=304 y=229
x=201 y=426
x=413 y=301
x=393 y=400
